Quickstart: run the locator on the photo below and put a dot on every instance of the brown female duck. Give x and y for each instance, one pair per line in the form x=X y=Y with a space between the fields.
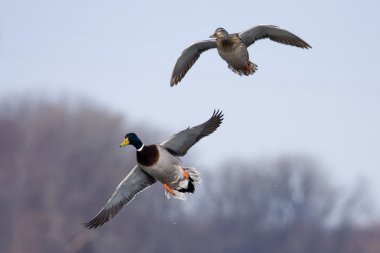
x=233 y=49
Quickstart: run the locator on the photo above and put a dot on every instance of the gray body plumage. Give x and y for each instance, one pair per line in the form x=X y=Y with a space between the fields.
x=168 y=168
x=233 y=49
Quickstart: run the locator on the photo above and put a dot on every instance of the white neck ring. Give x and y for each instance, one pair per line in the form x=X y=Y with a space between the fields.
x=141 y=147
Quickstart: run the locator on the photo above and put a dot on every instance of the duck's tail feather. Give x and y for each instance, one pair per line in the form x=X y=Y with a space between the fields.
x=186 y=186
x=249 y=70
x=195 y=176
x=177 y=195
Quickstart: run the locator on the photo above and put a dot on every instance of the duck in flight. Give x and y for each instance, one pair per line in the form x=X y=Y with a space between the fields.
x=233 y=49
x=158 y=162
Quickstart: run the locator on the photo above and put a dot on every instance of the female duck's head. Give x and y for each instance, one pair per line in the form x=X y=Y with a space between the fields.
x=220 y=33
x=132 y=139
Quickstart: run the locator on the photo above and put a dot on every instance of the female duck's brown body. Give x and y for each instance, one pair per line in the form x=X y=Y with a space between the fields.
x=233 y=50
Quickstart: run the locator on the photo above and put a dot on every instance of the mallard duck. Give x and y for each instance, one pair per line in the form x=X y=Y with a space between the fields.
x=158 y=162
x=233 y=49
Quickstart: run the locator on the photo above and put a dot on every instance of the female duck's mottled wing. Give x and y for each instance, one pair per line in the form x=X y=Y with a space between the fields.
x=136 y=181
x=179 y=143
x=274 y=33
x=188 y=58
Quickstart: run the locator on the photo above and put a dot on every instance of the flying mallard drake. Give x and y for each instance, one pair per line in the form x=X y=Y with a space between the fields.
x=158 y=162
x=233 y=49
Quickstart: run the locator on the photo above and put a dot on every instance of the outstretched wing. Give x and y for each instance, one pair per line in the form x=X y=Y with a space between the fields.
x=179 y=143
x=187 y=59
x=273 y=33
x=136 y=181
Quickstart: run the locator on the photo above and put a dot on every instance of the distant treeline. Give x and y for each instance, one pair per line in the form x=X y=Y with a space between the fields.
x=60 y=163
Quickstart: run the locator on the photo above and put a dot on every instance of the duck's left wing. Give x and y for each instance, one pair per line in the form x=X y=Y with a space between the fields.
x=187 y=59
x=136 y=181
x=273 y=33
x=179 y=143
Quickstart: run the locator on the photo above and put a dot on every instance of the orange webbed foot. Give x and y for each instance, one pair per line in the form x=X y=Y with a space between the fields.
x=185 y=174
x=248 y=68
x=168 y=189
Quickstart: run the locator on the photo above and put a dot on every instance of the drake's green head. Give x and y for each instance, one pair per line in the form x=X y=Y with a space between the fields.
x=132 y=139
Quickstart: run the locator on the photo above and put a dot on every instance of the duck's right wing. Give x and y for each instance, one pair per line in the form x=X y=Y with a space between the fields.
x=179 y=143
x=136 y=181
x=187 y=59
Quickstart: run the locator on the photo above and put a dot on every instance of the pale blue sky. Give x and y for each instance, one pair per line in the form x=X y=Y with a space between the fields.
x=323 y=102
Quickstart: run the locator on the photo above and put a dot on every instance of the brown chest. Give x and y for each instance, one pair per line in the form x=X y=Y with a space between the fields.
x=148 y=156
x=229 y=44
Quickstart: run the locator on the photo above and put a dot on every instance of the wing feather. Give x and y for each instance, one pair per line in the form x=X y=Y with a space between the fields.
x=136 y=181
x=179 y=143
x=187 y=59
x=274 y=33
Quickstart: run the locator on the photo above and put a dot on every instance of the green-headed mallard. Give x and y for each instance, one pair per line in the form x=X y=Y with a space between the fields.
x=233 y=49
x=158 y=162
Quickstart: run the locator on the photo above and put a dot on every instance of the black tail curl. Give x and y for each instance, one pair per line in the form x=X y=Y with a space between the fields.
x=190 y=187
